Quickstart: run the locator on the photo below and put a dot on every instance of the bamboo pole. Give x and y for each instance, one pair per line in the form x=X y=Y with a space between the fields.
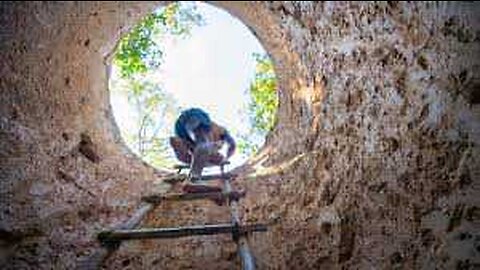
x=185 y=166
x=248 y=261
x=183 y=177
x=192 y=196
x=164 y=233
x=95 y=260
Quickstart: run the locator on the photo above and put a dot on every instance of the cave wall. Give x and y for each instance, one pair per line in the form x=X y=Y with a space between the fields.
x=380 y=170
x=373 y=162
x=65 y=173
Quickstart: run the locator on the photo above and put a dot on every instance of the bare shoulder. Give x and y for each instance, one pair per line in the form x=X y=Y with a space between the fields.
x=218 y=129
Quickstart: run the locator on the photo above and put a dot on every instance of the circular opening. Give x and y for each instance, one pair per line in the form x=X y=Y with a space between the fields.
x=185 y=55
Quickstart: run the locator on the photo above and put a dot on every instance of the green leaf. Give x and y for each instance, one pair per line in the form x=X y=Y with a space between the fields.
x=262 y=106
x=138 y=51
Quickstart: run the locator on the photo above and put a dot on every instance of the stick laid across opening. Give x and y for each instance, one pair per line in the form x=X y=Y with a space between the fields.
x=150 y=233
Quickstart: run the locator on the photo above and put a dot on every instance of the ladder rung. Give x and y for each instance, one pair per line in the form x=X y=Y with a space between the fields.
x=214 y=177
x=155 y=199
x=186 y=166
x=118 y=235
x=182 y=177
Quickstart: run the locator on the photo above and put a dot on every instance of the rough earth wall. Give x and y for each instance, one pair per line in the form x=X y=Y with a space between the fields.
x=374 y=162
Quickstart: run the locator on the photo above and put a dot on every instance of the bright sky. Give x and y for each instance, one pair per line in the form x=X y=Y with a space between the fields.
x=211 y=69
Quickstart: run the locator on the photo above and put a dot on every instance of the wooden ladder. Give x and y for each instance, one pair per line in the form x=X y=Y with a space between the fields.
x=112 y=239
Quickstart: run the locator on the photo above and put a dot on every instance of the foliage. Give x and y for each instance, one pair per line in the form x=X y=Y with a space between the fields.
x=138 y=55
x=139 y=50
x=263 y=104
x=152 y=109
x=264 y=96
x=247 y=145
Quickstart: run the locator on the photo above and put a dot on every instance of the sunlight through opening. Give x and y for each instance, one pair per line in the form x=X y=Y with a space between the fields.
x=184 y=55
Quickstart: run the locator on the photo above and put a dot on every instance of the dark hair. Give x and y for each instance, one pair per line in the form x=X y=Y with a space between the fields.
x=194 y=115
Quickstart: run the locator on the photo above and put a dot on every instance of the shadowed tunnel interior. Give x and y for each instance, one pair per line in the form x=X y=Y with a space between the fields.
x=374 y=161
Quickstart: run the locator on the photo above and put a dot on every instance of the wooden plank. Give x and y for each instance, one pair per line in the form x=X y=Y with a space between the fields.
x=187 y=166
x=226 y=176
x=182 y=177
x=150 y=233
x=155 y=199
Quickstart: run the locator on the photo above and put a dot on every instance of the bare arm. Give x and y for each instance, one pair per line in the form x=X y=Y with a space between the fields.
x=231 y=144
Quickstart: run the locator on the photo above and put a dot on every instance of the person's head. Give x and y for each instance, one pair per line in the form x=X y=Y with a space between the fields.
x=193 y=125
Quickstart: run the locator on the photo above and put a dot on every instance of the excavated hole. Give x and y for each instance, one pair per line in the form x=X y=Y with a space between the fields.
x=168 y=130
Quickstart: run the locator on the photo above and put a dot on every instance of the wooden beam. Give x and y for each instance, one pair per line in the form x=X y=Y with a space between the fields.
x=248 y=260
x=182 y=177
x=186 y=166
x=150 y=233
x=225 y=176
x=156 y=199
x=137 y=217
x=96 y=259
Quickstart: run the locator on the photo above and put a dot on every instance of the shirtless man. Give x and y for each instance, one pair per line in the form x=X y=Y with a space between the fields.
x=199 y=139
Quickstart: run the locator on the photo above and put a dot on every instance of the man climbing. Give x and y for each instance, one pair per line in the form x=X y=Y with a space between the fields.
x=197 y=142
